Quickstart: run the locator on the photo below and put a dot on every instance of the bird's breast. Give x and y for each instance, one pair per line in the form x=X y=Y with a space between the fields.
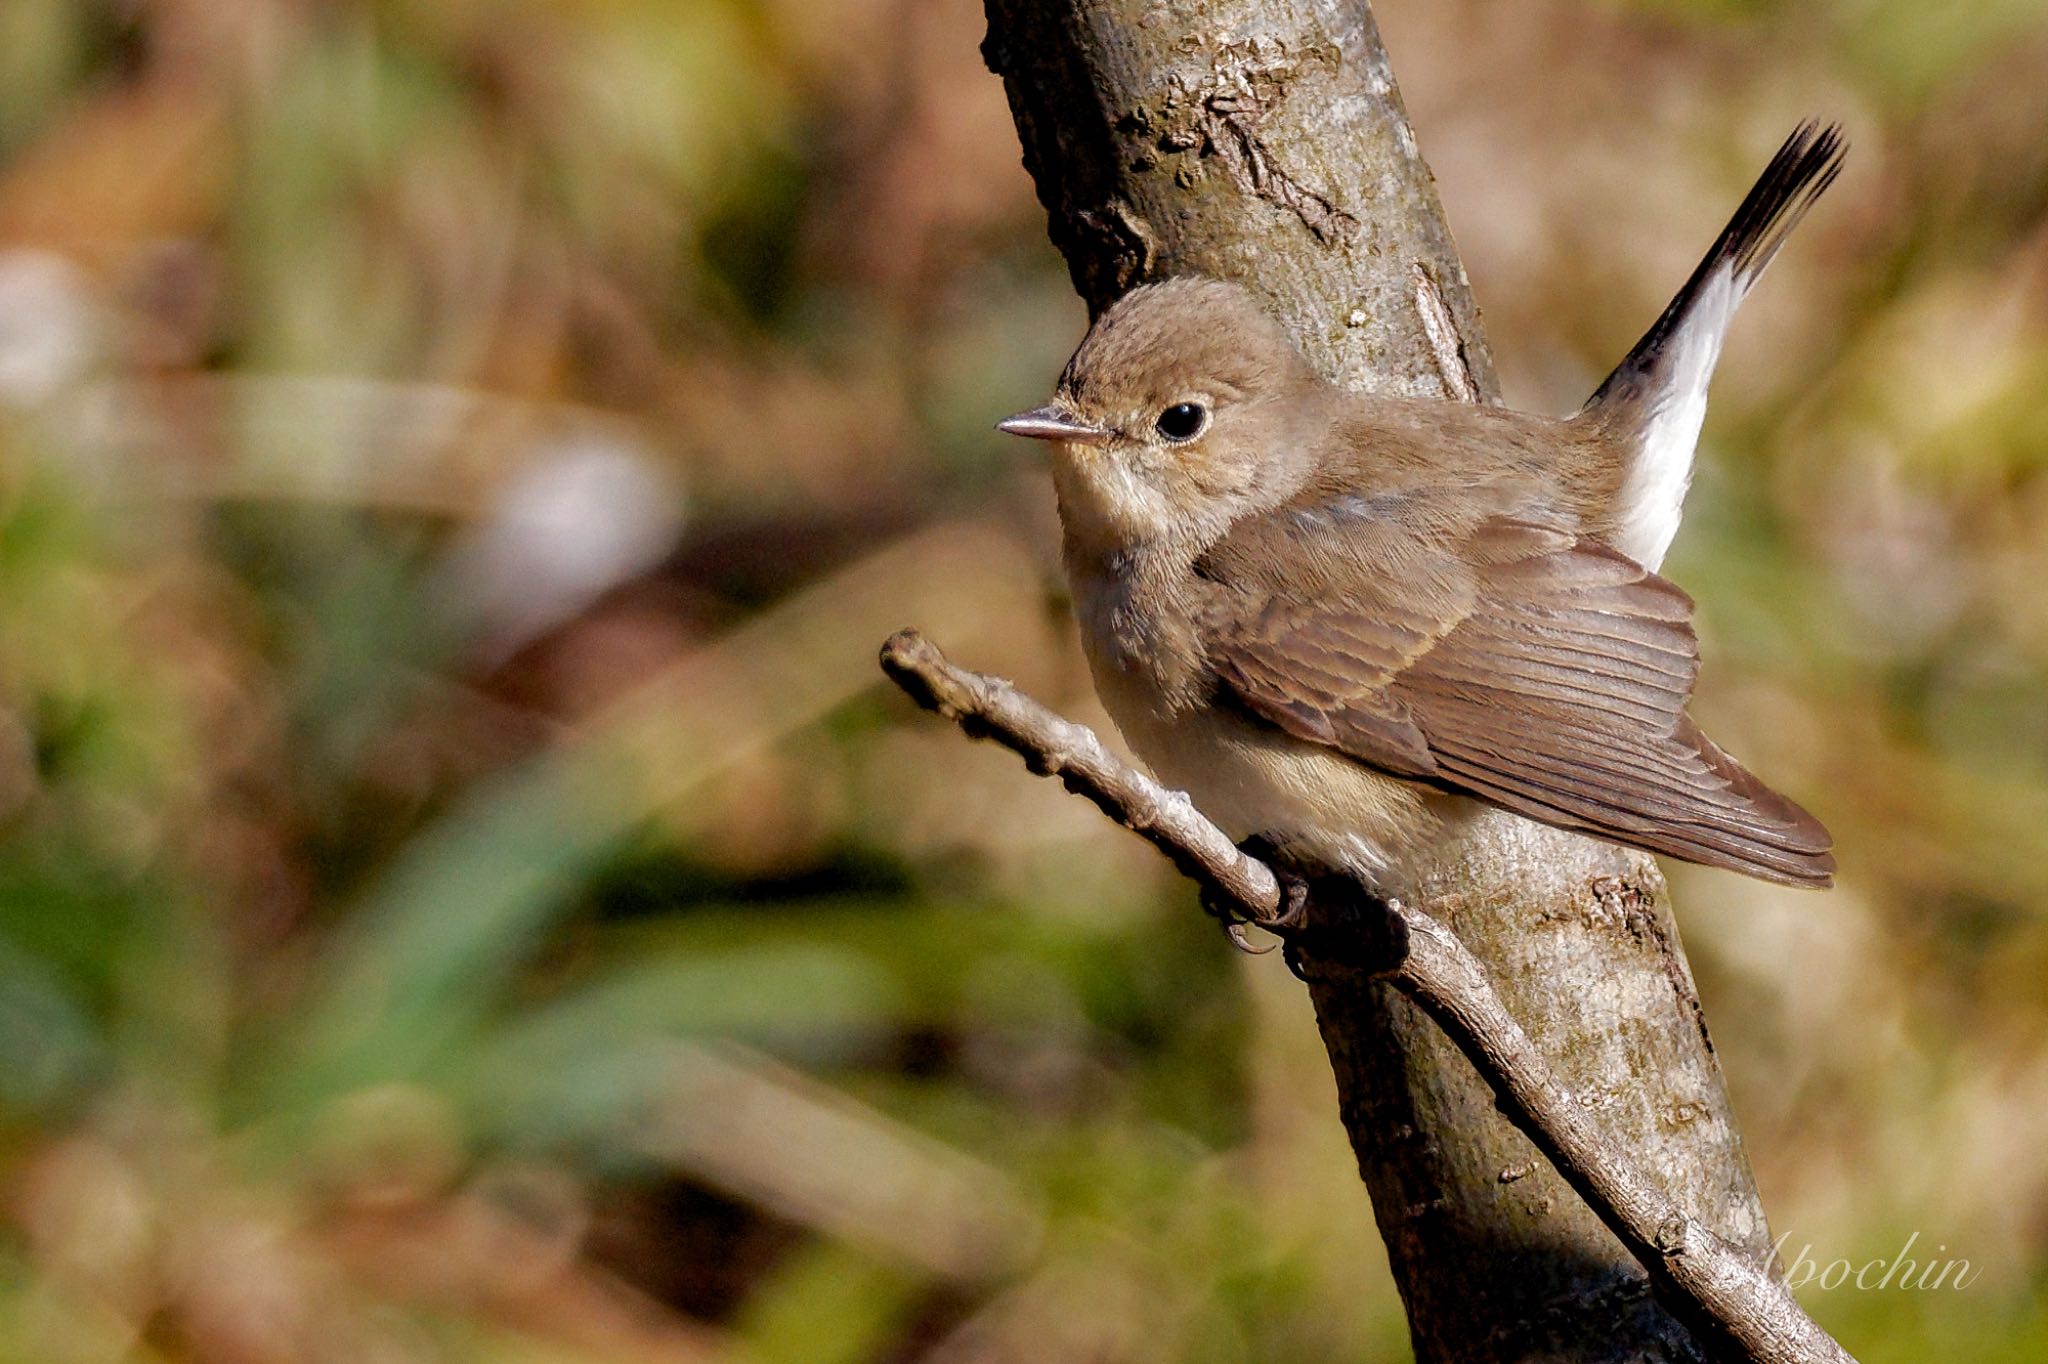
x=1250 y=778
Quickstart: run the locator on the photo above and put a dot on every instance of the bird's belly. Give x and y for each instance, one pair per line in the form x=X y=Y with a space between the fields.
x=1322 y=808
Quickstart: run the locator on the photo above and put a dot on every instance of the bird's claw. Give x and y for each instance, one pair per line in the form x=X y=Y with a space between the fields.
x=1231 y=913
x=1293 y=903
x=1234 y=930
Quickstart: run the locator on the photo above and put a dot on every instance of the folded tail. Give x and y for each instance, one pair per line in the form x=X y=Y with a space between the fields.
x=1656 y=399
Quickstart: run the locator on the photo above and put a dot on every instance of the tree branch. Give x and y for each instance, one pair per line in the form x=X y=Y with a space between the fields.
x=1703 y=1277
x=990 y=708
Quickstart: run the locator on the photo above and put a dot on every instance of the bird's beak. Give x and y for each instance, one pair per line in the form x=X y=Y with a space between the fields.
x=1049 y=423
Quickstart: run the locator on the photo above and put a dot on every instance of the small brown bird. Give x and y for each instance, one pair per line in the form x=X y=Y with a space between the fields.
x=1338 y=620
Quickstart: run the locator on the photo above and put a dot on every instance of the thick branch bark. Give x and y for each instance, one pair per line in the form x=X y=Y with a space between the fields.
x=1723 y=1287
x=1264 y=141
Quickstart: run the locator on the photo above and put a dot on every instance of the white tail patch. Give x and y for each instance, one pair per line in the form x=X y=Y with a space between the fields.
x=1660 y=390
x=1652 y=497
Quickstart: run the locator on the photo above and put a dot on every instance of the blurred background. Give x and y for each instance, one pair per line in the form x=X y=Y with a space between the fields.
x=465 y=894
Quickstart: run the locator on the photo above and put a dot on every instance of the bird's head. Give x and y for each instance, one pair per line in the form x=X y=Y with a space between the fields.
x=1180 y=411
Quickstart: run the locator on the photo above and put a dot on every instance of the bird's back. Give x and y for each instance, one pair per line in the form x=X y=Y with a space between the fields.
x=1463 y=461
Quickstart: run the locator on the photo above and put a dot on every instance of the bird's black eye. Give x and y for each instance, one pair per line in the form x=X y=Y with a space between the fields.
x=1182 y=421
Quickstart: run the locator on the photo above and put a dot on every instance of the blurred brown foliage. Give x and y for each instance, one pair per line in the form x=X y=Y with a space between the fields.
x=463 y=894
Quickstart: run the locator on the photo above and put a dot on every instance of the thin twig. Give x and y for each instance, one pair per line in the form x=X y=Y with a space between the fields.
x=990 y=708
x=1701 y=1275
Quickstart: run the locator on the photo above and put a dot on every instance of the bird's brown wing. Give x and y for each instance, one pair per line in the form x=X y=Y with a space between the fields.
x=1539 y=671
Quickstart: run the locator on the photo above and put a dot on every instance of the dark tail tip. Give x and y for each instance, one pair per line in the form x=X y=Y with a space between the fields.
x=1808 y=162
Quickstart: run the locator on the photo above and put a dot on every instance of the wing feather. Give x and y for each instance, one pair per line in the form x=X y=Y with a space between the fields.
x=1532 y=668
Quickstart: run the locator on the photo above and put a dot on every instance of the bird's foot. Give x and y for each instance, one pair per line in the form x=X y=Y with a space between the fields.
x=1232 y=915
x=1293 y=903
x=1231 y=912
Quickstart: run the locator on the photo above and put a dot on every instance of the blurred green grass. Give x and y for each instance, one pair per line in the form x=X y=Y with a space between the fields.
x=464 y=896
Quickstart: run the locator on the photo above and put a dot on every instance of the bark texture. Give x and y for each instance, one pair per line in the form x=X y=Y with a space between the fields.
x=1264 y=141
